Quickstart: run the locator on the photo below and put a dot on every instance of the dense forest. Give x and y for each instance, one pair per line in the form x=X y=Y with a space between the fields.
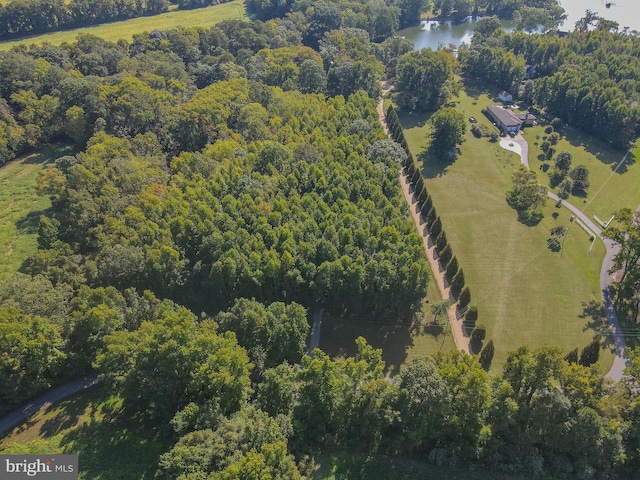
x=229 y=182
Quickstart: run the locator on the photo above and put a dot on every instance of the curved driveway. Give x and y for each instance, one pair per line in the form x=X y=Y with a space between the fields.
x=612 y=248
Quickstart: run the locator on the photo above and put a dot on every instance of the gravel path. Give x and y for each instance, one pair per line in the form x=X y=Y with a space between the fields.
x=459 y=334
x=315 y=331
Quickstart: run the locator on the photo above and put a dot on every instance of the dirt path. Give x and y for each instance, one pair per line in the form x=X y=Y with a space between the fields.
x=437 y=270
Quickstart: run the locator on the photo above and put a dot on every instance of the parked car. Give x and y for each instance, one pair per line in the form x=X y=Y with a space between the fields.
x=473 y=120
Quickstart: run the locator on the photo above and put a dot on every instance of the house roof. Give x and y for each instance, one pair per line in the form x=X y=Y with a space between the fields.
x=526 y=117
x=504 y=93
x=507 y=117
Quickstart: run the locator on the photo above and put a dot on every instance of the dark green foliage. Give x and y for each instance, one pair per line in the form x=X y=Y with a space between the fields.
x=422 y=196
x=451 y=268
x=470 y=319
x=446 y=255
x=271 y=335
x=590 y=353
x=422 y=79
x=441 y=241
x=436 y=227
x=430 y=217
x=580 y=177
x=478 y=334
x=428 y=203
x=457 y=284
x=486 y=355
x=449 y=127
x=572 y=356
x=465 y=298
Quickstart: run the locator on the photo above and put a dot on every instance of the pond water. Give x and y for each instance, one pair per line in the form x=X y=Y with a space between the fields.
x=434 y=33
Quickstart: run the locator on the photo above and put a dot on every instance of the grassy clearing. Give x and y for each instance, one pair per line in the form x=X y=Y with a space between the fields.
x=399 y=342
x=21 y=207
x=353 y=467
x=201 y=17
x=525 y=293
x=110 y=445
x=609 y=190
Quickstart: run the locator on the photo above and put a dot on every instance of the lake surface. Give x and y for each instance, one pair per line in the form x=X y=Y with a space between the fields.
x=434 y=33
x=625 y=12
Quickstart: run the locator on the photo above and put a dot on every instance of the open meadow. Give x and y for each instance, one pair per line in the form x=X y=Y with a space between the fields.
x=200 y=17
x=525 y=292
x=21 y=207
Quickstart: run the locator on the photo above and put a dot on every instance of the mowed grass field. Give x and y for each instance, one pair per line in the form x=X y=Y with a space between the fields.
x=201 y=17
x=610 y=189
x=525 y=293
x=21 y=207
x=110 y=445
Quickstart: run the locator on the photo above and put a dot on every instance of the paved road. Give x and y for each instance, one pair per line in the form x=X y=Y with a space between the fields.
x=612 y=248
x=47 y=399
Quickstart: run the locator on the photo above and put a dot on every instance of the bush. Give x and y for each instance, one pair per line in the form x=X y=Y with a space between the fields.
x=446 y=255
x=477 y=337
x=458 y=283
x=451 y=268
x=572 y=356
x=470 y=319
x=465 y=298
x=436 y=227
x=441 y=242
x=431 y=217
x=486 y=355
x=494 y=137
x=428 y=204
x=475 y=130
x=590 y=354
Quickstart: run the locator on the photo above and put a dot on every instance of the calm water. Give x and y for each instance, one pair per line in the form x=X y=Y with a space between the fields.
x=625 y=12
x=435 y=33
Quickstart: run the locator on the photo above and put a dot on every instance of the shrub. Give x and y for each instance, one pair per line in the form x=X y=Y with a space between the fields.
x=458 y=283
x=572 y=356
x=436 y=227
x=430 y=217
x=590 y=353
x=428 y=203
x=470 y=319
x=494 y=137
x=475 y=130
x=465 y=298
x=452 y=268
x=479 y=333
x=441 y=242
x=445 y=255
x=486 y=355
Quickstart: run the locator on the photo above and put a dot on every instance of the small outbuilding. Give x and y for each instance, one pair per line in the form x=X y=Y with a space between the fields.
x=505 y=96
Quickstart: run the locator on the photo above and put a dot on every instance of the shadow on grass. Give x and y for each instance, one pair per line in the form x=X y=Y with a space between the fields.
x=109 y=450
x=339 y=336
x=50 y=154
x=31 y=221
x=603 y=152
x=435 y=165
x=475 y=86
x=413 y=119
x=593 y=311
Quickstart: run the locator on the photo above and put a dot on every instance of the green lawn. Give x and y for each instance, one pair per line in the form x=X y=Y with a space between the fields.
x=609 y=190
x=525 y=293
x=110 y=445
x=201 y=17
x=399 y=342
x=21 y=207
